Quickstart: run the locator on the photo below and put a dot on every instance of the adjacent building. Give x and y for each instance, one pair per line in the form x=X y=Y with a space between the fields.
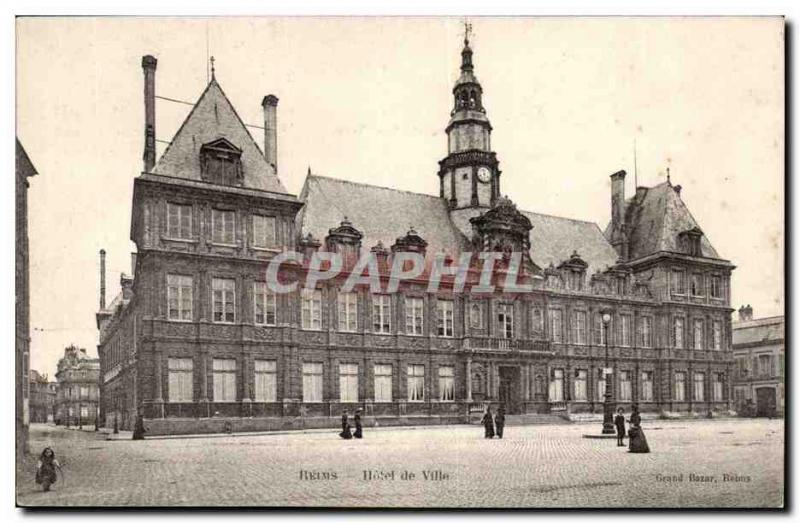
x=42 y=398
x=24 y=169
x=198 y=341
x=77 y=393
x=759 y=346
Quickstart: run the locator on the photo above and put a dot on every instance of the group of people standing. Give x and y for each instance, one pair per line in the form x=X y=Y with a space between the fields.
x=494 y=424
x=346 y=433
x=637 y=443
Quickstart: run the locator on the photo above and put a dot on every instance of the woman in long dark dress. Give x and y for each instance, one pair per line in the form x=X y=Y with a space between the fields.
x=46 y=469
x=637 y=443
x=345 y=433
x=488 y=423
x=357 y=420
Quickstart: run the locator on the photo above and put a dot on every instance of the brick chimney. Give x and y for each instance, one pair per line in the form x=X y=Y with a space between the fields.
x=619 y=232
x=149 y=67
x=102 y=279
x=270 y=105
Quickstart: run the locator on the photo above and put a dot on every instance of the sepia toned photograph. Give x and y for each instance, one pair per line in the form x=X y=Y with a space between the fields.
x=423 y=262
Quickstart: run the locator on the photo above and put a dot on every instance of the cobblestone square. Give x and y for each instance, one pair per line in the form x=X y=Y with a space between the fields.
x=447 y=466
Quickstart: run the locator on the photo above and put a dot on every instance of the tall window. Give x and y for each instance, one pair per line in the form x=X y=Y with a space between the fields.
x=223 y=226
x=381 y=314
x=680 y=386
x=581 y=377
x=678 y=327
x=505 y=320
x=383 y=383
x=179 y=297
x=697 y=285
x=312 y=382
x=264 y=304
x=646 y=331
x=579 y=328
x=179 y=221
x=263 y=231
x=537 y=322
x=414 y=308
x=599 y=330
x=180 y=380
x=557 y=385
x=348 y=382
x=266 y=380
x=765 y=365
x=556 y=324
x=677 y=282
x=347 y=303
x=444 y=318
x=625 y=330
x=716 y=333
x=601 y=385
x=311 y=309
x=223 y=296
x=716 y=390
x=224 y=379
x=698 y=335
x=625 y=385
x=416 y=382
x=716 y=286
x=699 y=386
x=647 y=385
x=447 y=386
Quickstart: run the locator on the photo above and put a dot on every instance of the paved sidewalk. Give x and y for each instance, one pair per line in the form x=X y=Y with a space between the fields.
x=452 y=466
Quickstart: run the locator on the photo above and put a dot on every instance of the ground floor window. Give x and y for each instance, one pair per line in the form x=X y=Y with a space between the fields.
x=699 y=386
x=224 y=379
x=84 y=411
x=601 y=385
x=647 y=385
x=580 y=384
x=719 y=379
x=625 y=385
x=348 y=382
x=266 y=380
x=312 y=382
x=447 y=386
x=416 y=382
x=680 y=386
x=557 y=385
x=180 y=380
x=383 y=383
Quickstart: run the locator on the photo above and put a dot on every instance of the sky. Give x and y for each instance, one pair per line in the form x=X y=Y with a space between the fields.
x=367 y=100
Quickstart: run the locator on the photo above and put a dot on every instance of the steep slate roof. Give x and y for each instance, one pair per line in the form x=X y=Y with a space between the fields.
x=211 y=118
x=655 y=218
x=386 y=214
x=760 y=330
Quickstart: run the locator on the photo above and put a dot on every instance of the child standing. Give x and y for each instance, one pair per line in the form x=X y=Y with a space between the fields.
x=46 y=469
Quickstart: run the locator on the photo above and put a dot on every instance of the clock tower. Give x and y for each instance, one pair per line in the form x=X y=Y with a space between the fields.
x=469 y=176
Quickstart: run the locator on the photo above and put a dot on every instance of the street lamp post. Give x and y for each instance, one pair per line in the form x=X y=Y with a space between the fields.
x=116 y=416
x=608 y=407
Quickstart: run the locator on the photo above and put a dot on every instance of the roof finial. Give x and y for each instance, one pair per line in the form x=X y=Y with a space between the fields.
x=309 y=170
x=668 y=180
x=467 y=31
x=212 y=67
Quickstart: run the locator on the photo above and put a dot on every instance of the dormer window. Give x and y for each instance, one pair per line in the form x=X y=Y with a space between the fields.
x=221 y=163
x=690 y=241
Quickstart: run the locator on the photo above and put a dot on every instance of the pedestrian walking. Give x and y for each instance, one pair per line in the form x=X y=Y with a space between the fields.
x=500 y=421
x=138 y=427
x=637 y=443
x=619 y=422
x=488 y=423
x=357 y=420
x=345 y=433
x=46 y=469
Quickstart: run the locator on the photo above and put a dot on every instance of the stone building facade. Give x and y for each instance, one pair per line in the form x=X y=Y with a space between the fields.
x=78 y=391
x=200 y=343
x=24 y=169
x=759 y=348
x=42 y=398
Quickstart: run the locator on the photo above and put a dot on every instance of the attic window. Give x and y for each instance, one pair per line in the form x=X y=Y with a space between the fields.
x=690 y=241
x=221 y=163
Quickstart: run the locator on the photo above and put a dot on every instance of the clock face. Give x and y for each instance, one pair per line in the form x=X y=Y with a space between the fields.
x=484 y=174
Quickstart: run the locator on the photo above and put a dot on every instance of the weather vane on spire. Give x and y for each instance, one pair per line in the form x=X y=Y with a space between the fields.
x=467 y=31
x=212 y=67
